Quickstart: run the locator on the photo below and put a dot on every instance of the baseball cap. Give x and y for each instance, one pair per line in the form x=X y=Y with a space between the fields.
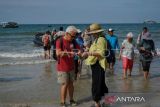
x=110 y=30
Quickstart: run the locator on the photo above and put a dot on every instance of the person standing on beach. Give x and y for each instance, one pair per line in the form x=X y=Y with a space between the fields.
x=46 y=39
x=54 y=31
x=65 y=65
x=146 y=47
x=98 y=63
x=113 y=45
x=143 y=34
x=127 y=54
x=77 y=60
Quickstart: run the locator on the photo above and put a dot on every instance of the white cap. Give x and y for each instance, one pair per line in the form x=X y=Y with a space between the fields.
x=71 y=29
x=130 y=35
x=110 y=30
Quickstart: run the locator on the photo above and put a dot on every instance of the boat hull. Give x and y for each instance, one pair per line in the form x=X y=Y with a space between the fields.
x=38 y=39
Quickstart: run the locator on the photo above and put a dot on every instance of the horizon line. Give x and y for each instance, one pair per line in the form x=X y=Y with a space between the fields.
x=84 y=23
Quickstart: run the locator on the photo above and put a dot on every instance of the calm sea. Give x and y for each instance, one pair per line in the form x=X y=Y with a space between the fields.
x=17 y=47
x=26 y=78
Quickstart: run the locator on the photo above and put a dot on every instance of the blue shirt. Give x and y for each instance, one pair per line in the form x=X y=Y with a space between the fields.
x=79 y=41
x=113 y=41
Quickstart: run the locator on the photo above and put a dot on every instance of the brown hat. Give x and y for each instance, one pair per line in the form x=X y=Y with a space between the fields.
x=95 y=28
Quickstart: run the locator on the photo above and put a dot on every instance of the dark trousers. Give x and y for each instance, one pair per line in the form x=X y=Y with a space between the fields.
x=76 y=66
x=146 y=65
x=99 y=87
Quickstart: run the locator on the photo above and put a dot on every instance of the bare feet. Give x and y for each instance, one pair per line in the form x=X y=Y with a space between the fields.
x=97 y=104
x=129 y=75
x=124 y=77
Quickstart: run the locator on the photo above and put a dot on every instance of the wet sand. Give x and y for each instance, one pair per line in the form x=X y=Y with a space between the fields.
x=36 y=86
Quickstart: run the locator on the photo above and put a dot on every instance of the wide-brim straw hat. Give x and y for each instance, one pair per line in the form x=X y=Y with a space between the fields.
x=95 y=28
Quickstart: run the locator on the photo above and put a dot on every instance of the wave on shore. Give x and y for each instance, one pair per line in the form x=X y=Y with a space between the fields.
x=27 y=62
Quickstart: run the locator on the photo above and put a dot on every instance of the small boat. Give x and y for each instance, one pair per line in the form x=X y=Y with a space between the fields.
x=38 y=39
x=9 y=24
x=150 y=22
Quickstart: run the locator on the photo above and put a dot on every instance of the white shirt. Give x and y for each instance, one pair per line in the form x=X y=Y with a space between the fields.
x=128 y=50
x=143 y=36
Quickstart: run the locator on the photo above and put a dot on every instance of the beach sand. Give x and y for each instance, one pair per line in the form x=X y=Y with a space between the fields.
x=36 y=86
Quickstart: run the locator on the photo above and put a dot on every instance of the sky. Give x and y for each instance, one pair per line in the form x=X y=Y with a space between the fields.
x=79 y=11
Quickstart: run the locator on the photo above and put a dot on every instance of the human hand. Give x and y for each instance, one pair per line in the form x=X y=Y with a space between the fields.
x=79 y=61
x=119 y=57
x=79 y=53
x=142 y=48
x=155 y=54
x=72 y=53
x=63 y=53
x=85 y=54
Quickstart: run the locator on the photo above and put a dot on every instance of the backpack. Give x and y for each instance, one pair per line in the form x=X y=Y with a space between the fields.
x=61 y=46
x=54 y=44
x=46 y=40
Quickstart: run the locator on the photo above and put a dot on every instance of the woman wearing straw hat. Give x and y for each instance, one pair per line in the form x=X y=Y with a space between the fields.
x=98 y=63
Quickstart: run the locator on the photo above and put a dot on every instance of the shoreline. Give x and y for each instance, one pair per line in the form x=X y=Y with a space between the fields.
x=36 y=86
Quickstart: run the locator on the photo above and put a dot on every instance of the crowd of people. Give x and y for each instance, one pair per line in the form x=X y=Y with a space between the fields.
x=98 y=50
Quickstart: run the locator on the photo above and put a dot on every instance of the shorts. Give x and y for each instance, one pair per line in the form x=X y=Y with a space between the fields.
x=64 y=77
x=111 y=58
x=146 y=65
x=48 y=47
x=127 y=63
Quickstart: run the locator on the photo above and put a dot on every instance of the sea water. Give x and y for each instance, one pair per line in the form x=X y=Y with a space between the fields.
x=25 y=77
x=16 y=44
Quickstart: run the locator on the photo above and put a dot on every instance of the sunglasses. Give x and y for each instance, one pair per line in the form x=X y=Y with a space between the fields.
x=71 y=36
